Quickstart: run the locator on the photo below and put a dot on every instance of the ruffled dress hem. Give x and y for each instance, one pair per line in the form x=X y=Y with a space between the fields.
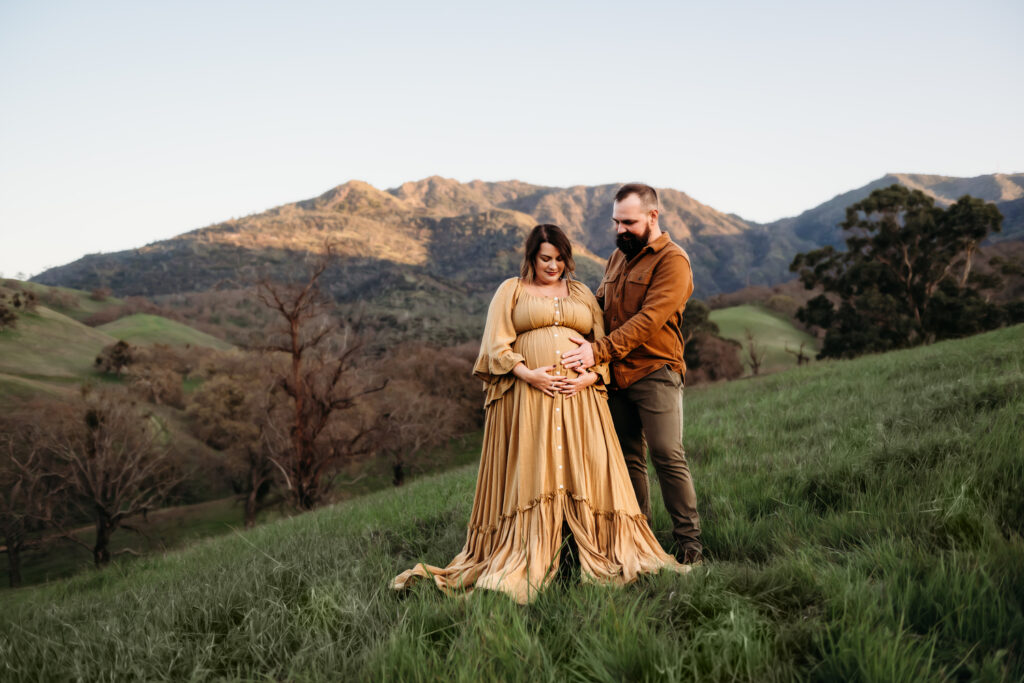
x=520 y=555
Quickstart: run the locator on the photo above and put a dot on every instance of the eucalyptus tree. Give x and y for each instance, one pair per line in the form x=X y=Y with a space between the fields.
x=905 y=277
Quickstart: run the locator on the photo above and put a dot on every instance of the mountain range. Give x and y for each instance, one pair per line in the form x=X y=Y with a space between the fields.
x=447 y=238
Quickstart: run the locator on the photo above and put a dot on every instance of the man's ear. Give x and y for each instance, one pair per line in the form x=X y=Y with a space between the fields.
x=653 y=214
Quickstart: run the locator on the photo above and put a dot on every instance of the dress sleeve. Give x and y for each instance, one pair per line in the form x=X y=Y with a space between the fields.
x=596 y=332
x=496 y=358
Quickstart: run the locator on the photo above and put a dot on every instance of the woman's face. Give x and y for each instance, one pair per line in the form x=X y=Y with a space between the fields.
x=548 y=266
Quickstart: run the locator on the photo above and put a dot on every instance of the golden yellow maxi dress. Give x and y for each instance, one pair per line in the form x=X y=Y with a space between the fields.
x=544 y=461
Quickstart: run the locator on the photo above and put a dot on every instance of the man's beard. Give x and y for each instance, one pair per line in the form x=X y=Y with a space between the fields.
x=631 y=245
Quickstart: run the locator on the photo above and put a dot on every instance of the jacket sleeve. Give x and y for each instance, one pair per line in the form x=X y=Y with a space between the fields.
x=496 y=358
x=596 y=334
x=671 y=286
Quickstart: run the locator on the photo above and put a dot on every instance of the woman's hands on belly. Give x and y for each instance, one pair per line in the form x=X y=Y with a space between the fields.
x=571 y=387
x=539 y=379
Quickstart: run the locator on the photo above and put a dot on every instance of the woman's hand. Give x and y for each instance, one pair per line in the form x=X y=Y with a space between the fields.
x=570 y=387
x=539 y=379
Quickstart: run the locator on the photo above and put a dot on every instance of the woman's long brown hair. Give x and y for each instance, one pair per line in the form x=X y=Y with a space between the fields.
x=553 y=235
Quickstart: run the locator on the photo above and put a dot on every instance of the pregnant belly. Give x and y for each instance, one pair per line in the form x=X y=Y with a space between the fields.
x=545 y=346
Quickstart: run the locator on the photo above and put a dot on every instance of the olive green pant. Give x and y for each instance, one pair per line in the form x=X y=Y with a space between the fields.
x=651 y=410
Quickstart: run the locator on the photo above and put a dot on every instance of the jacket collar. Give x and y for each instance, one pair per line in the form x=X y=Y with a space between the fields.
x=660 y=243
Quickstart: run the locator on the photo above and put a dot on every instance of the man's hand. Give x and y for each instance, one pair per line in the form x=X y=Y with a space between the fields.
x=579 y=359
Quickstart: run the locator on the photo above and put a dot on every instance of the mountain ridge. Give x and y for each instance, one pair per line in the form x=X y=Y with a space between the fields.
x=468 y=235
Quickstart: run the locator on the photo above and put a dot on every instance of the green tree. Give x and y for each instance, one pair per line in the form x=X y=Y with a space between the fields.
x=905 y=276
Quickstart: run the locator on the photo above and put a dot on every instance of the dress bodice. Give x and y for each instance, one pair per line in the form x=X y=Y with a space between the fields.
x=532 y=312
x=536 y=330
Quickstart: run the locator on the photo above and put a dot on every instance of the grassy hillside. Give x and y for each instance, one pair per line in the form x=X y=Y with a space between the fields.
x=74 y=303
x=49 y=345
x=142 y=328
x=863 y=520
x=772 y=332
x=50 y=351
x=14 y=388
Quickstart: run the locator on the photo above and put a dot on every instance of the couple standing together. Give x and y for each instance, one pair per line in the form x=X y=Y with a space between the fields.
x=556 y=413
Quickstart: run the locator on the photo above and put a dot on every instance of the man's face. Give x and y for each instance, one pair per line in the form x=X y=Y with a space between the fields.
x=632 y=225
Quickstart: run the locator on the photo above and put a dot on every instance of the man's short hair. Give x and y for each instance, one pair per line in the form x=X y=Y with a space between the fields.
x=648 y=197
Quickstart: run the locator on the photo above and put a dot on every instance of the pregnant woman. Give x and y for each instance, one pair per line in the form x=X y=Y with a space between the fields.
x=550 y=457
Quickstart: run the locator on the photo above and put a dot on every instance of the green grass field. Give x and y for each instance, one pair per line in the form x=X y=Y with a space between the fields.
x=143 y=328
x=862 y=520
x=772 y=332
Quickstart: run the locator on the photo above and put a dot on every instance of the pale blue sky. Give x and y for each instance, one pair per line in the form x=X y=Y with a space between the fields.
x=122 y=123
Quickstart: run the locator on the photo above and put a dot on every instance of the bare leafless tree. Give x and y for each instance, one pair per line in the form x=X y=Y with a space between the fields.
x=109 y=456
x=799 y=354
x=320 y=382
x=755 y=354
x=29 y=495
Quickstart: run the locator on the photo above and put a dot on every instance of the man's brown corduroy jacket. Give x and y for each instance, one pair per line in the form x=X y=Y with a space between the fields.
x=643 y=302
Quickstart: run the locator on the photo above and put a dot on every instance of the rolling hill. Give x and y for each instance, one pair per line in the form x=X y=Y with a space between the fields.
x=51 y=346
x=144 y=328
x=773 y=333
x=50 y=350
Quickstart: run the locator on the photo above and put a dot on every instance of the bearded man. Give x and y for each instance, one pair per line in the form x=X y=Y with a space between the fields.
x=646 y=284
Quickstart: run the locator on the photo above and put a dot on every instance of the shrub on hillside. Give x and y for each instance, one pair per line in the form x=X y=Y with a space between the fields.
x=710 y=358
x=783 y=304
x=8 y=318
x=114 y=358
x=58 y=299
x=24 y=300
x=156 y=384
